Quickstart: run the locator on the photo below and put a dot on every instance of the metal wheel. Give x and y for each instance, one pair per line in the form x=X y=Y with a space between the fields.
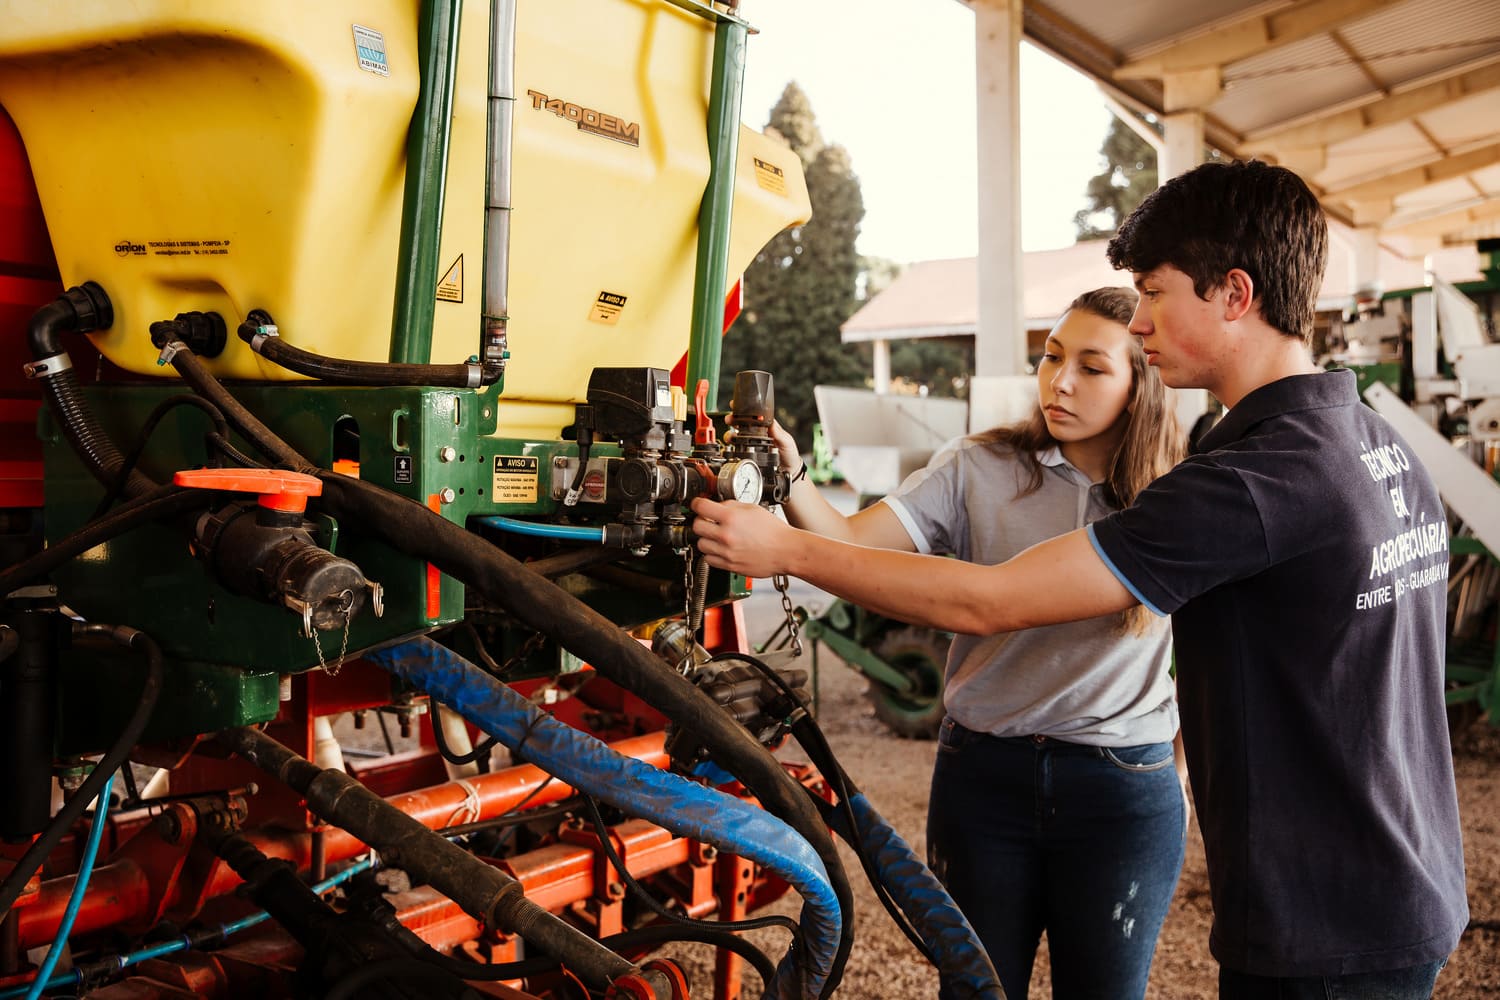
x=918 y=653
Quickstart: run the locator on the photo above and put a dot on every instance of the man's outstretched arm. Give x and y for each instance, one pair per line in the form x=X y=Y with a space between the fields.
x=1062 y=579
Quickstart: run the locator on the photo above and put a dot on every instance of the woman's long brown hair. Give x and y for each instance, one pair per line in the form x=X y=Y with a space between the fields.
x=1153 y=440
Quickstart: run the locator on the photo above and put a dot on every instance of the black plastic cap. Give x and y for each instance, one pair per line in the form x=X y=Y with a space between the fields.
x=92 y=305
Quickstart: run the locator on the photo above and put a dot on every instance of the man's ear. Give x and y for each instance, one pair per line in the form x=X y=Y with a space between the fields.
x=1239 y=294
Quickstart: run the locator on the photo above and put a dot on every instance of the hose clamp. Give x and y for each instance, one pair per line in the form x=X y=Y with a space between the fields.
x=476 y=376
x=263 y=333
x=48 y=367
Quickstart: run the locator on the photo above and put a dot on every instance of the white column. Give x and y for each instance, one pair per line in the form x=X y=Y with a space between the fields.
x=1182 y=149
x=1000 y=341
x=1365 y=265
x=882 y=349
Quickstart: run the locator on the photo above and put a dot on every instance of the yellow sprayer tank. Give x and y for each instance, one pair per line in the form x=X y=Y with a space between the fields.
x=251 y=154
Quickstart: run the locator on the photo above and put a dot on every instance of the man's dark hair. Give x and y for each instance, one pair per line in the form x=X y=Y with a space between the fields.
x=1247 y=214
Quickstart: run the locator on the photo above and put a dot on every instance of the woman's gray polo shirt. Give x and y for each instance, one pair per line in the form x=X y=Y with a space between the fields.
x=1085 y=682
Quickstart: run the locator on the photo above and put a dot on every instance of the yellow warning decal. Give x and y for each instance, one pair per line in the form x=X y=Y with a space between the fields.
x=514 y=480
x=607 y=308
x=769 y=176
x=450 y=287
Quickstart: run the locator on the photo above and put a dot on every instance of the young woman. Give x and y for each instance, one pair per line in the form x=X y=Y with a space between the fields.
x=1055 y=803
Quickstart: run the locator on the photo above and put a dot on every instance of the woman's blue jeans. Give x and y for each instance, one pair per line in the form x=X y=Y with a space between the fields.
x=1032 y=834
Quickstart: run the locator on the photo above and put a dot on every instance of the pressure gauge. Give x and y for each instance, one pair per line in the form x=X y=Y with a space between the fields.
x=740 y=480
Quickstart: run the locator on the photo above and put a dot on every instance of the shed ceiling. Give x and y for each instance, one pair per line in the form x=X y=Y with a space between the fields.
x=1390 y=109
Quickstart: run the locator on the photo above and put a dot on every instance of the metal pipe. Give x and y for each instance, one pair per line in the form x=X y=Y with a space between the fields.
x=502 y=102
x=726 y=87
x=483 y=891
x=122 y=891
x=426 y=183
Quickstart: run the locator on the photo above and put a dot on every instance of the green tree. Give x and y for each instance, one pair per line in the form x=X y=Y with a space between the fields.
x=1129 y=175
x=802 y=286
x=942 y=364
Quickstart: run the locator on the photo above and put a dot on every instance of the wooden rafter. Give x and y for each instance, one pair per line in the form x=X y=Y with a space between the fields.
x=1400 y=181
x=1380 y=112
x=1228 y=43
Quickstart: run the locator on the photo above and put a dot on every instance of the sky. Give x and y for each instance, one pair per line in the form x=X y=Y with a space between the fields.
x=892 y=81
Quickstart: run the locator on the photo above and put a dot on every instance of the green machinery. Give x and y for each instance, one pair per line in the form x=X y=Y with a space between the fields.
x=1428 y=359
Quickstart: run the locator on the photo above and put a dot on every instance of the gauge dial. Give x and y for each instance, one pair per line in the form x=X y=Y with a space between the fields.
x=740 y=480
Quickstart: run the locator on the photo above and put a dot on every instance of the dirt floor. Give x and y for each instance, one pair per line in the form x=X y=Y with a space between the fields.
x=894 y=773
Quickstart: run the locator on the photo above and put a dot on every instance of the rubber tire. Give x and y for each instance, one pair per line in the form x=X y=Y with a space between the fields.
x=921 y=654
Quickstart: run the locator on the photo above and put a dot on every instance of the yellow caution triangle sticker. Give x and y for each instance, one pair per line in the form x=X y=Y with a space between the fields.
x=451 y=286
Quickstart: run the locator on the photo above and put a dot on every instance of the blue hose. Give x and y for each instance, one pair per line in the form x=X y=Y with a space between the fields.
x=519 y=527
x=80 y=886
x=182 y=943
x=684 y=807
x=962 y=960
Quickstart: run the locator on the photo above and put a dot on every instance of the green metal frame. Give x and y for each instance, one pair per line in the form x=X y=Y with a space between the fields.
x=426 y=182
x=726 y=88
x=1473 y=674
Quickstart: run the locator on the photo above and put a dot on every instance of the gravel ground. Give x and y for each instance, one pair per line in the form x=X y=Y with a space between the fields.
x=894 y=773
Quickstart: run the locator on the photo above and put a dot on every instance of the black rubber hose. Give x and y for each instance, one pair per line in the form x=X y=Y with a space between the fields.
x=640 y=937
x=481 y=749
x=78 y=310
x=481 y=890
x=381 y=973
x=121 y=478
x=339 y=371
x=650 y=901
x=411 y=528
x=161 y=502
x=117 y=754
x=839 y=817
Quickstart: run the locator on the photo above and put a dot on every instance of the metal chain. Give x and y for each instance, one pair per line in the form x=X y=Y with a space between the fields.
x=332 y=669
x=780 y=582
x=687 y=589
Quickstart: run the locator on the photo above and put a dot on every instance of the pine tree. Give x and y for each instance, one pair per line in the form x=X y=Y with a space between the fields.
x=802 y=286
x=1129 y=175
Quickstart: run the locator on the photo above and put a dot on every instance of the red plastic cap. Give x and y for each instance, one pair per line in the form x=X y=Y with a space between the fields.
x=276 y=488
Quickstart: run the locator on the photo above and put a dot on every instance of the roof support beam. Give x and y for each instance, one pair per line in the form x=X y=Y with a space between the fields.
x=1382 y=111
x=1237 y=40
x=1449 y=222
x=1399 y=182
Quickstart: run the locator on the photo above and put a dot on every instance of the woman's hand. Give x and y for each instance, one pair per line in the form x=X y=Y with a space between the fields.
x=786 y=448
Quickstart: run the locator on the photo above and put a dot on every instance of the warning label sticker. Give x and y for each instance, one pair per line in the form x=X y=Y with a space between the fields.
x=607 y=308
x=450 y=287
x=515 y=479
x=369 y=49
x=769 y=176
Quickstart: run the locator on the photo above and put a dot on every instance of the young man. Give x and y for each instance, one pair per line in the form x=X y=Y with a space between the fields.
x=1302 y=554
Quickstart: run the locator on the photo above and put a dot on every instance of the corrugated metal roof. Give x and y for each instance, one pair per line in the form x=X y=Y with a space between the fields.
x=1368 y=57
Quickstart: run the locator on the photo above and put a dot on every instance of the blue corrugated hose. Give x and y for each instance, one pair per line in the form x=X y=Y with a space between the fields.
x=684 y=807
x=944 y=929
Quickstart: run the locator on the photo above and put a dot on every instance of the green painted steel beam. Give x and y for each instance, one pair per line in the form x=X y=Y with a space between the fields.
x=426 y=181
x=859 y=657
x=711 y=276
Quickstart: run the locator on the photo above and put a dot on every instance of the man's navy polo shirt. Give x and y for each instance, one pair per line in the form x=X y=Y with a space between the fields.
x=1303 y=557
